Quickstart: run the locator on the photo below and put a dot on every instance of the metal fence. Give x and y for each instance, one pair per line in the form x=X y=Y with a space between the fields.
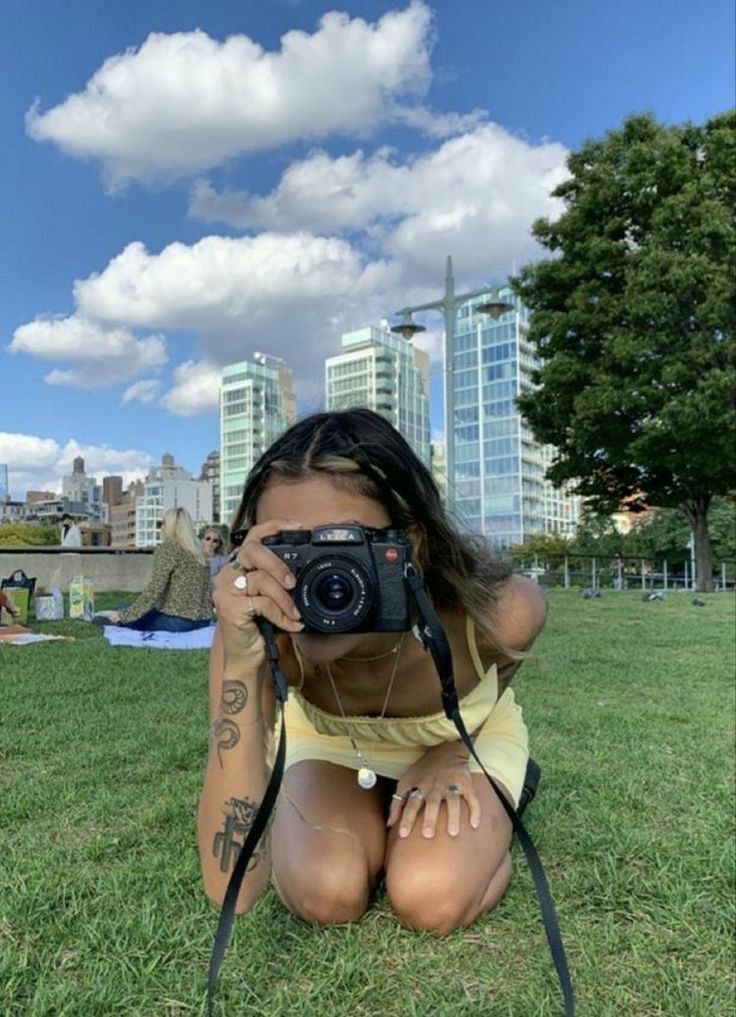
x=623 y=573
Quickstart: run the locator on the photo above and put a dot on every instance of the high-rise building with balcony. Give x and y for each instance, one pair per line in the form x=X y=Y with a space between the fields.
x=385 y=373
x=257 y=404
x=498 y=484
x=169 y=486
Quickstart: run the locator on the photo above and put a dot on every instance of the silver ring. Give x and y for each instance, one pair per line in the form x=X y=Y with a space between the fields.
x=398 y=798
x=241 y=582
x=416 y=792
x=453 y=789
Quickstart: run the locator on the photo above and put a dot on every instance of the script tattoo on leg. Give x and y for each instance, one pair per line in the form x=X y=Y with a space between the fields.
x=239 y=816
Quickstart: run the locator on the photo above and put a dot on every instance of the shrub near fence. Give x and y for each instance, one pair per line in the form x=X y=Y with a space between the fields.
x=623 y=573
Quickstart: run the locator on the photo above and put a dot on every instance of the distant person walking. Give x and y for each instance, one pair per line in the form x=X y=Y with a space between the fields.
x=71 y=535
x=177 y=599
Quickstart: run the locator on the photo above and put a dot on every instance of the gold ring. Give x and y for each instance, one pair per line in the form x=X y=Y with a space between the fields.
x=251 y=609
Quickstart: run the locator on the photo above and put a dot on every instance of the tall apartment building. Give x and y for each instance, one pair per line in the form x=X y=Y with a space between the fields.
x=211 y=471
x=84 y=490
x=257 y=404
x=112 y=489
x=384 y=373
x=122 y=516
x=4 y=485
x=498 y=486
x=169 y=486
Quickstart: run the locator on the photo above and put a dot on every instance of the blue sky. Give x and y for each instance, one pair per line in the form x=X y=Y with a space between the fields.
x=185 y=184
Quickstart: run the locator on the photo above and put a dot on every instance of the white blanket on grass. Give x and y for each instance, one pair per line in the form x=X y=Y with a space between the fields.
x=197 y=639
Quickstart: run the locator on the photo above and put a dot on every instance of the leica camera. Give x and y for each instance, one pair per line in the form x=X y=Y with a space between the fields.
x=349 y=578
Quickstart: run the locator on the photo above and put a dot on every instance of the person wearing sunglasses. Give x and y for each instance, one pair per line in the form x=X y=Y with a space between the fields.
x=214 y=549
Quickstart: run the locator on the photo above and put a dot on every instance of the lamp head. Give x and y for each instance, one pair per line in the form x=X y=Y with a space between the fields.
x=495 y=308
x=408 y=327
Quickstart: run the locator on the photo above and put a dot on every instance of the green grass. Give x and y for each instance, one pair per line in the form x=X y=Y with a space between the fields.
x=631 y=715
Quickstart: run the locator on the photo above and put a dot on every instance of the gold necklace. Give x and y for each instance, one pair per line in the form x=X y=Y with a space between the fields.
x=366 y=774
x=378 y=656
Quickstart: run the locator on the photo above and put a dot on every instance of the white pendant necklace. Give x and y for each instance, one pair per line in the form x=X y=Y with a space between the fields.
x=367 y=777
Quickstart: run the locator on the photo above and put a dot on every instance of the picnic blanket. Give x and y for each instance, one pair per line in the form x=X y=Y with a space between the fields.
x=198 y=639
x=18 y=635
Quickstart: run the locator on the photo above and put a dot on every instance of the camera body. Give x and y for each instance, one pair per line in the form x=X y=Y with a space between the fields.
x=349 y=578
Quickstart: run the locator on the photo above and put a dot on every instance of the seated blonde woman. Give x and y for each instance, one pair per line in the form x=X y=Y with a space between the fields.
x=177 y=598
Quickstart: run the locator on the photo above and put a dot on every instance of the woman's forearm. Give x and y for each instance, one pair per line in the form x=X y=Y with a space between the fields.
x=236 y=778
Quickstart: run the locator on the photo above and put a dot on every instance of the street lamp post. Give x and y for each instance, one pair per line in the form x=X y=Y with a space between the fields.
x=448 y=305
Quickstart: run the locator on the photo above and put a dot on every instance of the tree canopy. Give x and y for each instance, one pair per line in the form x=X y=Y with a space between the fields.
x=633 y=319
x=27 y=535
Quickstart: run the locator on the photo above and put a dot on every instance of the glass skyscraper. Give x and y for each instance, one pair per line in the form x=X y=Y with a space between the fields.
x=385 y=373
x=256 y=404
x=498 y=486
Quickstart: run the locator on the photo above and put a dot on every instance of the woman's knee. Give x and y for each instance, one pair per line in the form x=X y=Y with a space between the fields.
x=327 y=890
x=440 y=900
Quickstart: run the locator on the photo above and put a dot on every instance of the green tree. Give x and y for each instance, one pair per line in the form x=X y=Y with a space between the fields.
x=596 y=536
x=27 y=535
x=550 y=548
x=722 y=520
x=664 y=534
x=633 y=319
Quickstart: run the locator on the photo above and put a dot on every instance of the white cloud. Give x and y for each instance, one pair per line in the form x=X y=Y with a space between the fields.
x=440 y=125
x=102 y=355
x=38 y=464
x=144 y=391
x=220 y=282
x=196 y=389
x=184 y=103
x=289 y=290
x=289 y=294
x=475 y=196
x=431 y=342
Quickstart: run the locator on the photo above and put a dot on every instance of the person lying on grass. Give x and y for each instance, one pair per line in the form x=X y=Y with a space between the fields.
x=377 y=786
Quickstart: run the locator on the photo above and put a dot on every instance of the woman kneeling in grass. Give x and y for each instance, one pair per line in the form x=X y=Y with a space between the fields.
x=365 y=704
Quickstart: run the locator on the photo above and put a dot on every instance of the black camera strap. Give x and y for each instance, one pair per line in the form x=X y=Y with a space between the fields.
x=434 y=639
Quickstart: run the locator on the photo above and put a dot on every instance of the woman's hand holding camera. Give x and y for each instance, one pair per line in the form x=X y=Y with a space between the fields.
x=257 y=583
x=442 y=774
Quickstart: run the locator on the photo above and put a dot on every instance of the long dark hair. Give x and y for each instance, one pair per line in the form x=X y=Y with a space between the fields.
x=360 y=451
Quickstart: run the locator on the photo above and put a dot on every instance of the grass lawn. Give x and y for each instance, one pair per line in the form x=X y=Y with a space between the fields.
x=631 y=715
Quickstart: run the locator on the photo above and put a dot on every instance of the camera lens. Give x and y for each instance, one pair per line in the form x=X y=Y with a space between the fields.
x=333 y=592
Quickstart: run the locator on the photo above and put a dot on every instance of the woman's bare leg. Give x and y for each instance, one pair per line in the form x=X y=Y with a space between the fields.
x=444 y=883
x=328 y=842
